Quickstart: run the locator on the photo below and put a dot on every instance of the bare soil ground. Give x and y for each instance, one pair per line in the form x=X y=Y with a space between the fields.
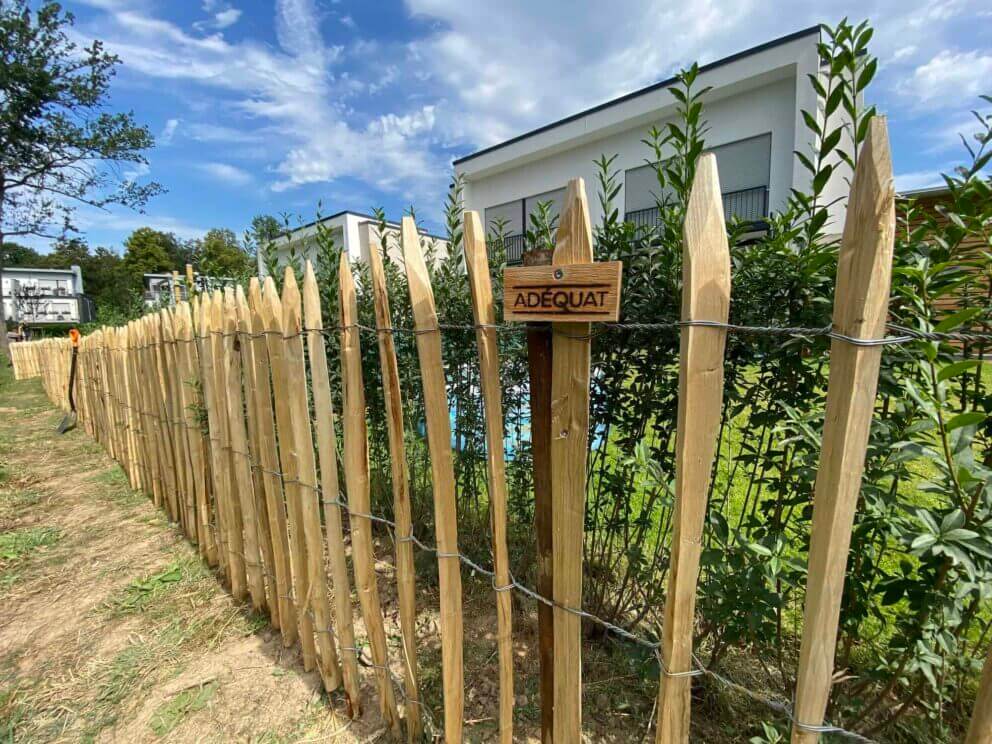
x=112 y=629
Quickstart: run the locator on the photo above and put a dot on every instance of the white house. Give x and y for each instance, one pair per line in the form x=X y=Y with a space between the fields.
x=755 y=124
x=351 y=231
x=35 y=297
x=159 y=287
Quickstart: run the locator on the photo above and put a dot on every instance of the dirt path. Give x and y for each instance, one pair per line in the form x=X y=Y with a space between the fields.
x=111 y=629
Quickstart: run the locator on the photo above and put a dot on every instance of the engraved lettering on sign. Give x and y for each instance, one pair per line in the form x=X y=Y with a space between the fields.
x=574 y=293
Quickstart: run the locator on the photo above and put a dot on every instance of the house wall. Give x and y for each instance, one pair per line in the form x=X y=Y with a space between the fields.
x=53 y=295
x=761 y=92
x=766 y=110
x=352 y=233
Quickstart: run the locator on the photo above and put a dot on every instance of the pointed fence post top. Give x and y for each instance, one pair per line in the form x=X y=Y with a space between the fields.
x=271 y=305
x=706 y=255
x=416 y=271
x=290 y=303
x=574 y=241
x=346 y=282
x=864 y=265
x=311 y=298
x=475 y=240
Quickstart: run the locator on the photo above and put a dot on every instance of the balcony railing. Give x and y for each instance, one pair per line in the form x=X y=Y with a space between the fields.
x=513 y=245
x=749 y=205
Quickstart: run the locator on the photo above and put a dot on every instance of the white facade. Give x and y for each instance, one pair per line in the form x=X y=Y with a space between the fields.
x=44 y=296
x=753 y=112
x=351 y=231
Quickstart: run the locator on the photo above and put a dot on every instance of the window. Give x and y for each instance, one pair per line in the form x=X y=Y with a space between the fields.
x=745 y=170
x=512 y=213
x=556 y=197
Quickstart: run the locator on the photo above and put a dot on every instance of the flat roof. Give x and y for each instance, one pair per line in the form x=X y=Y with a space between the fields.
x=70 y=270
x=644 y=91
x=369 y=217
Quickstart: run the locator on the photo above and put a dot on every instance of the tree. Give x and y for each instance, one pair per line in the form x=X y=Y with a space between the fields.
x=58 y=148
x=220 y=255
x=148 y=251
x=14 y=254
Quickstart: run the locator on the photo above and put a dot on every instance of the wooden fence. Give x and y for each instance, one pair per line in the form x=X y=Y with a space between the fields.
x=206 y=407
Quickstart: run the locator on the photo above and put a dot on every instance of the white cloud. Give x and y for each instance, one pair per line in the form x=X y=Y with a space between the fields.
x=168 y=132
x=950 y=76
x=226 y=173
x=294 y=92
x=227 y=17
x=347 y=21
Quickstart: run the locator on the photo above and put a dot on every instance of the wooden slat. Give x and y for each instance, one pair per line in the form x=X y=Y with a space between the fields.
x=303 y=496
x=569 y=440
x=861 y=302
x=272 y=316
x=227 y=498
x=356 y=476
x=243 y=500
x=484 y=313
x=261 y=515
x=329 y=487
x=269 y=459
x=400 y=476
x=206 y=359
x=191 y=402
x=705 y=296
x=443 y=478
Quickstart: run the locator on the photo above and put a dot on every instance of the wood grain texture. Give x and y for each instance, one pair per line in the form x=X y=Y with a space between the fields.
x=578 y=293
x=272 y=318
x=231 y=505
x=205 y=357
x=569 y=442
x=268 y=455
x=160 y=393
x=705 y=296
x=261 y=515
x=484 y=313
x=356 y=476
x=304 y=492
x=329 y=488
x=399 y=472
x=240 y=457
x=861 y=302
x=443 y=478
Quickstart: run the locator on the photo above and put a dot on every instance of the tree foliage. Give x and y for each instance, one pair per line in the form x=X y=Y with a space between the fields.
x=58 y=148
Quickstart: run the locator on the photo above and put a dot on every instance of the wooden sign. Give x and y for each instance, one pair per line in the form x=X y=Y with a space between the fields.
x=578 y=293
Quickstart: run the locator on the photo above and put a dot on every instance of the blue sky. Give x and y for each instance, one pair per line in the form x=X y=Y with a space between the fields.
x=274 y=106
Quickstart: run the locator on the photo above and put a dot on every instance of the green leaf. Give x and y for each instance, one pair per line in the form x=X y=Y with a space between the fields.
x=954 y=320
x=970 y=418
x=957 y=368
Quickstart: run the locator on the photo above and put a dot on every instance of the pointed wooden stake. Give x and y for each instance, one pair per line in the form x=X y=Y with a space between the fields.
x=272 y=315
x=861 y=302
x=569 y=442
x=356 y=476
x=329 y=488
x=405 y=568
x=705 y=296
x=269 y=458
x=443 y=474
x=484 y=312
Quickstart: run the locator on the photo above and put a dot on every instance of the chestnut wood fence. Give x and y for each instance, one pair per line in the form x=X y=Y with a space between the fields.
x=205 y=405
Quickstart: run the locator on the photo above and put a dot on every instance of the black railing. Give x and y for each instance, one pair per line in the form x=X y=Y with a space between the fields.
x=513 y=246
x=749 y=205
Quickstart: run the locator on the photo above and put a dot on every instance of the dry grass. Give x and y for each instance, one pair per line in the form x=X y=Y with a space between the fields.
x=112 y=629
